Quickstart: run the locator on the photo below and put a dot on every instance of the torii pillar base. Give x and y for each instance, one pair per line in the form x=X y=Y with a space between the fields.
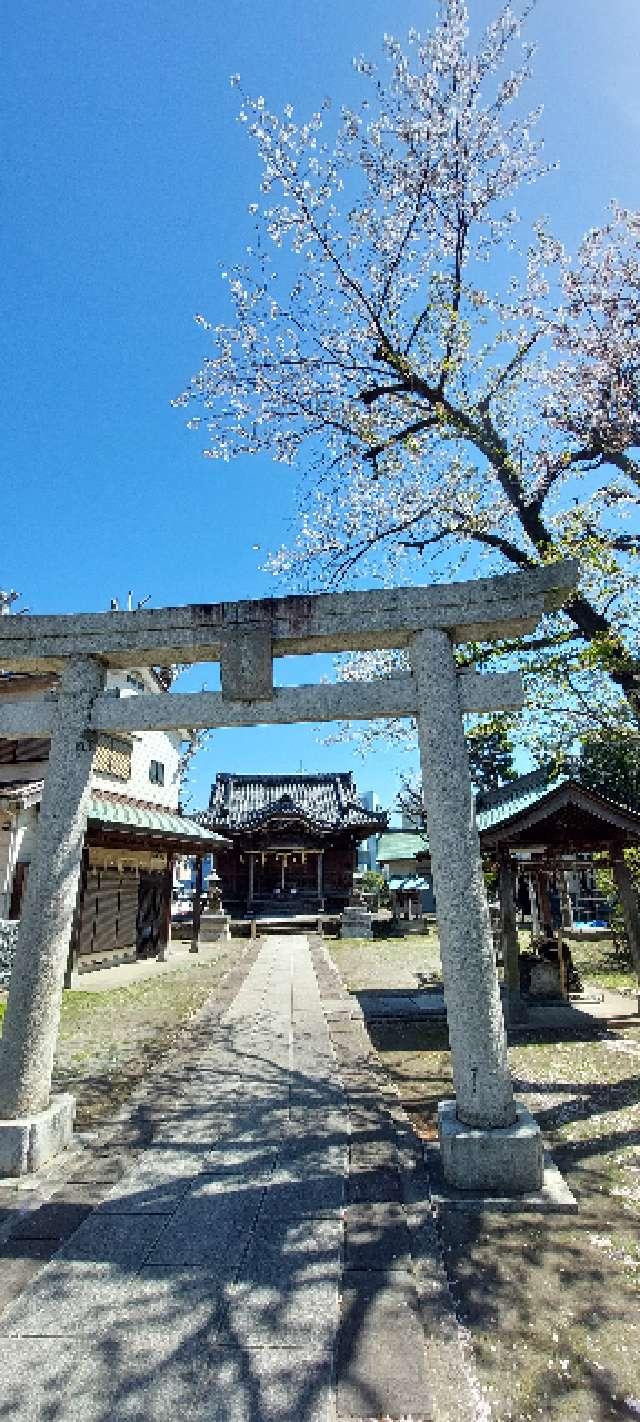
x=28 y=1142
x=507 y=1160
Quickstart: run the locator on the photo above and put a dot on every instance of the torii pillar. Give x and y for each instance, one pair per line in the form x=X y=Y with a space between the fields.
x=34 y=1126
x=487 y=1141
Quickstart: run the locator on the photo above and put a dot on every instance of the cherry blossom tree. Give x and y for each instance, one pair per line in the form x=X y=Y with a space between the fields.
x=449 y=389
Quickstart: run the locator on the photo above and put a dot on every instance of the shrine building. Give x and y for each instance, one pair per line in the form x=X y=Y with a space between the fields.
x=294 y=841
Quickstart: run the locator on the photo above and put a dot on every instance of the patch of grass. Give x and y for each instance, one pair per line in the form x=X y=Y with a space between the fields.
x=108 y=1040
x=599 y=962
x=366 y=963
x=420 y=940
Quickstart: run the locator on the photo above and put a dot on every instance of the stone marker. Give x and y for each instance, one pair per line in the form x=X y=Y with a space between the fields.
x=356 y=921
x=214 y=928
x=215 y=924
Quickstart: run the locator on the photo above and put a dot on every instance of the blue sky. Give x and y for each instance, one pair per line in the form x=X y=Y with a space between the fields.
x=125 y=183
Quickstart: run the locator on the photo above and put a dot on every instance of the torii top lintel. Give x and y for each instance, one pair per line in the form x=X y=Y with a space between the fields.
x=480 y=610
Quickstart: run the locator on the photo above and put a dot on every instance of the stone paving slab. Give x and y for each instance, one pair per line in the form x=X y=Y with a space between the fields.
x=262 y=1161
x=396 y=1295
x=250 y=1159
x=208 y=1233
x=374 y=1185
x=196 y=1382
x=61 y=1215
x=100 y=1167
x=377 y=1237
x=219 y=1238
x=146 y=1191
x=74 y=1293
x=288 y=1288
x=97 y=1381
x=412 y=1006
x=271 y=1385
x=381 y=1369
x=22 y=1260
x=312 y=1197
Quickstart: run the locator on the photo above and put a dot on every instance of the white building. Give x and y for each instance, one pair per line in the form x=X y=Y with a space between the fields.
x=134 y=832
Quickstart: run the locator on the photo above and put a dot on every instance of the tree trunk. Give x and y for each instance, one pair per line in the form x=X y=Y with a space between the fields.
x=628 y=896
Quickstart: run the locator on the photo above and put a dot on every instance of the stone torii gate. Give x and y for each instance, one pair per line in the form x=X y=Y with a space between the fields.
x=486 y=1139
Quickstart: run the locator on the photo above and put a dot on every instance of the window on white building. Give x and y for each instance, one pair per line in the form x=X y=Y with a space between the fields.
x=156 y=772
x=113 y=757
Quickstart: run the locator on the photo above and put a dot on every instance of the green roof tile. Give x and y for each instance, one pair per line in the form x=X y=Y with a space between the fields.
x=521 y=800
x=401 y=844
x=410 y=883
x=146 y=817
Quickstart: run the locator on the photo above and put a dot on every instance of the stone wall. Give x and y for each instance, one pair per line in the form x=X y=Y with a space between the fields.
x=8 y=935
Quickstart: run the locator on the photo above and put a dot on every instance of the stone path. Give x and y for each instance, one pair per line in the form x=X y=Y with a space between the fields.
x=270 y=1254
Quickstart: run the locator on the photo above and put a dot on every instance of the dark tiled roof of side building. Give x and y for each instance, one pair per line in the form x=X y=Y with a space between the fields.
x=328 y=801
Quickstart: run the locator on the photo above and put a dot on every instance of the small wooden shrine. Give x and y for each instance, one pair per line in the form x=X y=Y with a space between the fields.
x=294 y=841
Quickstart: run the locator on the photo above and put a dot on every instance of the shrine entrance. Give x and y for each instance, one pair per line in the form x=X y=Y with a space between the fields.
x=487 y=1139
x=286 y=874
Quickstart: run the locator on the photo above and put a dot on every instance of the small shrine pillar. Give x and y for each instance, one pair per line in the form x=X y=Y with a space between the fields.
x=196 y=913
x=509 y=937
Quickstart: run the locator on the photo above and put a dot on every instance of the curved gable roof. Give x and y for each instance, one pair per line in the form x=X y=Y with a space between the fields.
x=561 y=812
x=325 y=802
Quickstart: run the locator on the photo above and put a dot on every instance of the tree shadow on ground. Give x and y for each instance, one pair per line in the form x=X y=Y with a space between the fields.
x=205 y=1280
x=550 y=1300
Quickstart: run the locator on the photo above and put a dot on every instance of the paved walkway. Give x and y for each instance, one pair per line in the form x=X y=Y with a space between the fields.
x=270 y=1254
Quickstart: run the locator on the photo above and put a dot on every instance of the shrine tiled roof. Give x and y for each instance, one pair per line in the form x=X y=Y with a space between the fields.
x=542 y=799
x=493 y=808
x=538 y=798
x=327 y=802
x=496 y=807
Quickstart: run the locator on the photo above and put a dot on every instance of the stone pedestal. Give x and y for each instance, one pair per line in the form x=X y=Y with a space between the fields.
x=27 y=1142
x=356 y=922
x=545 y=980
x=214 y=928
x=508 y=1160
x=407 y=926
